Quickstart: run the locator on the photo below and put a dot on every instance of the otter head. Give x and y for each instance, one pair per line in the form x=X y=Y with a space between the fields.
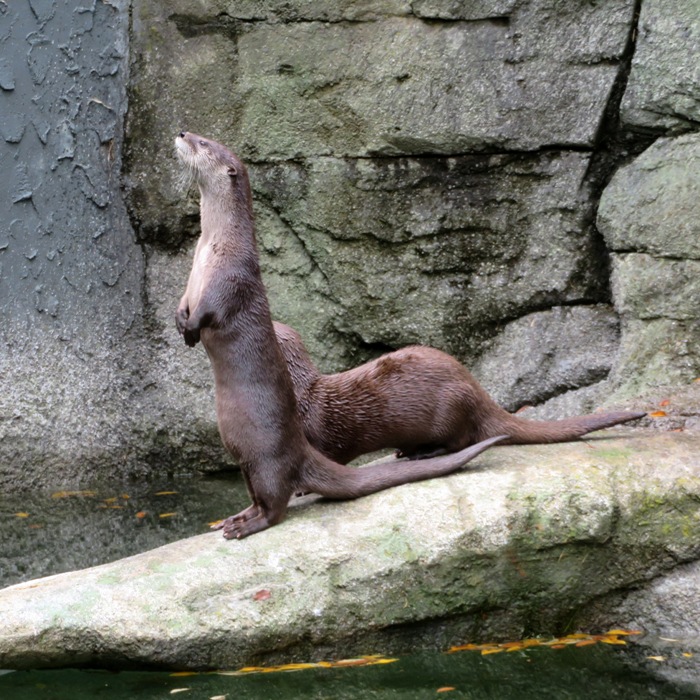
x=212 y=165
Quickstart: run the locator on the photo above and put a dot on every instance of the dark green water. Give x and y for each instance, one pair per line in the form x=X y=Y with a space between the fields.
x=48 y=533
x=41 y=534
x=536 y=674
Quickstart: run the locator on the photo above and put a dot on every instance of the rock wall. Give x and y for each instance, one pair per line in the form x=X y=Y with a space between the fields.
x=423 y=172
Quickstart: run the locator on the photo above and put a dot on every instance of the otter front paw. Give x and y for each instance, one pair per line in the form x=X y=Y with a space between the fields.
x=181 y=316
x=191 y=336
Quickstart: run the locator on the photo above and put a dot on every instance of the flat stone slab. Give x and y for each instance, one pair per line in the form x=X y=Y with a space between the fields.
x=522 y=538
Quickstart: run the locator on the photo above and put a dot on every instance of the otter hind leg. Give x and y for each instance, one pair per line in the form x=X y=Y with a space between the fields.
x=246 y=514
x=270 y=506
x=238 y=529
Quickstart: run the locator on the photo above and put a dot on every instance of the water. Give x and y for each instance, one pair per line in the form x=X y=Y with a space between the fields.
x=46 y=533
x=51 y=532
x=568 y=674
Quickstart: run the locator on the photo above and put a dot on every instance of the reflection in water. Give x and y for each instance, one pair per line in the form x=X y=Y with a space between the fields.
x=589 y=672
x=48 y=533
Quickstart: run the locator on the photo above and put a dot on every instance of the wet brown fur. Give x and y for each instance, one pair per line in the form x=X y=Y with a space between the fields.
x=418 y=400
x=225 y=306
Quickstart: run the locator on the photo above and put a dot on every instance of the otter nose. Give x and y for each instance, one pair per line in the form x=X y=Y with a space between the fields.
x=182 y=134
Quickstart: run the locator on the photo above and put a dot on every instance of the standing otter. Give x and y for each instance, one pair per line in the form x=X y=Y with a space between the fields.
x=225 y=306
x=418 y=400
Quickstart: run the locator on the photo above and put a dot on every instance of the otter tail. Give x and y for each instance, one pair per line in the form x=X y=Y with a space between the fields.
x=524 y=432
x=339 y=482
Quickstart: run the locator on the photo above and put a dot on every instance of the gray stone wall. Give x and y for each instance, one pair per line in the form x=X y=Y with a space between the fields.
x=423 y=172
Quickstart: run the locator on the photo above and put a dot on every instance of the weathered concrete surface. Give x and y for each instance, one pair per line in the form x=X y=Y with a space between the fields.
x=71 y=270
x=521 y=540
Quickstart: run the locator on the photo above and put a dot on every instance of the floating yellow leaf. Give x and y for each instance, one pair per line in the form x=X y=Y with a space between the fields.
x=497 y=650
x=586 y=642
x=621 y=633
x=218 y=697
x=612 y=640
x=125 y=496
x=687 y=655
x=181 y=674
x=360 y=661
x=110 y=500
x=179 y=690
x=165 y=493
x=657 y=414
x=166 y=515
x=141 y=514
x=445 y=689
x=21 y=515
x=656 y=658
x=67 y=494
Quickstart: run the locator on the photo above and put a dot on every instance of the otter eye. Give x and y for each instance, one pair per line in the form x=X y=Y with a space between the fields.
x=202 y=143
x=232 y=171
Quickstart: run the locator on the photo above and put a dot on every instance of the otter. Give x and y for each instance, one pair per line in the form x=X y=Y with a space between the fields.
x=419 y=400
x=225 y=307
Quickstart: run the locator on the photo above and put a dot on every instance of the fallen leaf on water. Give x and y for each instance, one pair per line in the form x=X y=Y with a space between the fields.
x=218 y=697
x=445 y=689
x=181 y=674
x=509 y=646
x=687 y=655
x=656 y=658
x=67 y=494
x=657 y=414
x=484 y=652
x=21 y=515
x=371 y=660
x=165 y=493
x=586 y=642
x=665 y=402
x=557 y=646
x=612 y=640
x=179 y=690
x=141 y=514
x=110 y=500
x=621 y=633
x=125 y=496
x=264 y=594
x=166 y=515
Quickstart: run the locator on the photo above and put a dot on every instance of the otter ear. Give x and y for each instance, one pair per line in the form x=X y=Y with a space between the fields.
x=232 y=171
